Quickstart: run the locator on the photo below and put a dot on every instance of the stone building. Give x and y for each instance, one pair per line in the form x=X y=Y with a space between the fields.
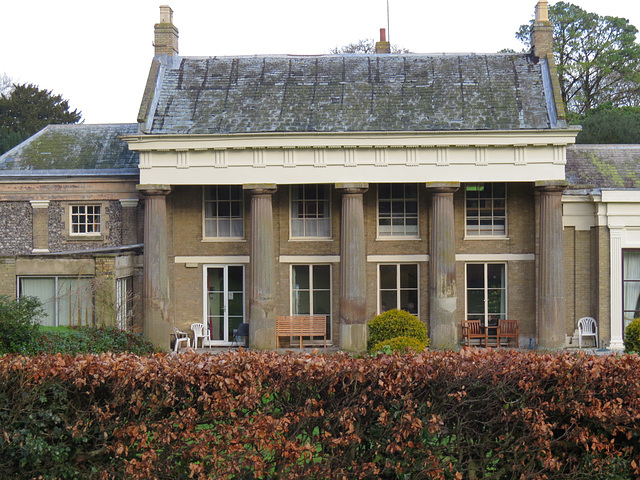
x=69 y=229
x=342 y=185
x=345 y=185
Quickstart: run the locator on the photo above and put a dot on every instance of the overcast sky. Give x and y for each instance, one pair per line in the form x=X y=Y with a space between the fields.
x=97 y=54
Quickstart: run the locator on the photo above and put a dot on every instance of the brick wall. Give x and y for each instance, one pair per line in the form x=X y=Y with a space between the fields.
x=186 y=239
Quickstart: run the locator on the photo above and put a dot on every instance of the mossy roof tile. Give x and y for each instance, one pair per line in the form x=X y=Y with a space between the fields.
x=346 y=93
x=78 y=147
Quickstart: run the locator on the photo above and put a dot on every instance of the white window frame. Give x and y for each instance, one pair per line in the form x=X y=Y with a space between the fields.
x=292 y=292
x=485 y=313
x=217 y=219
x=124 y=303
x=404 y=199
x=307 y=218
x=493 y=233
x=398 y=289
x=92 y=229
x=88 y=320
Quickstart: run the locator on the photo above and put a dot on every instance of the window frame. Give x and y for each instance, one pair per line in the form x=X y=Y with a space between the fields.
x=494 y=234
x=486 y=314
x=89 y=309
x=398 y=289
x=626 y=281
x=406 y=216
x=311 y=290
x=218 y=219
x=86 y=215
x=305 y=219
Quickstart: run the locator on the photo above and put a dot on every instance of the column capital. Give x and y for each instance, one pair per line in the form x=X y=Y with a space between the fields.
x=442 y=187
x=154 y=190
x=129 y=202
x=260 y=188
x=551 y=186
x=39 y=203
x=352 y=188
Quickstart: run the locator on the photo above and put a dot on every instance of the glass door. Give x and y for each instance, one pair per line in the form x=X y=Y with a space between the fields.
x=224 y=309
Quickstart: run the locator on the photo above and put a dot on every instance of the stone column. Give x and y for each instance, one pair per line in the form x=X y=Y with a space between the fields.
x=353 y=271
x=443 y=298
x=129 y=220
x=157 y=325
x=551 y=301
x=262 y=296
x=40 y=226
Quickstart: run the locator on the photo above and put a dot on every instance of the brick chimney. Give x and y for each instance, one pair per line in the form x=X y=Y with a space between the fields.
x=383 y=46
x=542 y=32
x=166 y=34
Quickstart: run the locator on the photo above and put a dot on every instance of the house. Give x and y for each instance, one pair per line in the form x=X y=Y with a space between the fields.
x=69 y=229
x=345 y=185
x=446 y=185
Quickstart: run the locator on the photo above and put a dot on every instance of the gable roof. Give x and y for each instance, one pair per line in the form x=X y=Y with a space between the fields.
x=73 y=149
x=347 y=93
x=592 y=167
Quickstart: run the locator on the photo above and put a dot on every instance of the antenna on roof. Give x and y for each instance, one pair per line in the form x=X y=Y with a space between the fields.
x=388 y=29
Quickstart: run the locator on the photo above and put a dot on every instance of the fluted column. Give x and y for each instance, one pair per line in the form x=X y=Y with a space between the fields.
x=262 y=296
x=353 y=273
x=442 y=266
x=155 y=285
x=551 y=300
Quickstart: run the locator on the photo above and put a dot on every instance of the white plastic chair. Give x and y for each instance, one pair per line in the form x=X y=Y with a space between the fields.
x=199 y=331
x=587 y=327
x=181 y=337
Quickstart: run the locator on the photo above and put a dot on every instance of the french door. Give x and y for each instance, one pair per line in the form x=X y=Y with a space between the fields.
x=224 y=303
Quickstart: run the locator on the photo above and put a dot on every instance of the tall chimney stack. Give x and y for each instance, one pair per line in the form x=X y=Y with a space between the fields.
x=542 y=31
x=166 y=34
x=383 y=46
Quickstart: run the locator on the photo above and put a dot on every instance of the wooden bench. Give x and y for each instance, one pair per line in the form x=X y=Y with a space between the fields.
x=301 y=326
x=476 y=334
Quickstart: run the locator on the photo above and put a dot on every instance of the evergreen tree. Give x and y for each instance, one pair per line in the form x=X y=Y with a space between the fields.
x=25 y=110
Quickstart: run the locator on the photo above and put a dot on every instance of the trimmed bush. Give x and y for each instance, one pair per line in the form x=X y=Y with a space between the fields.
x=632 y=337
x=493 y=415
x=79 y=340
x=400 y=345
x=18 y=323
x=395 y=323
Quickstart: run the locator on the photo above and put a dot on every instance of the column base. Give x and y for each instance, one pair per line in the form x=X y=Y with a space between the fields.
x=353 y=337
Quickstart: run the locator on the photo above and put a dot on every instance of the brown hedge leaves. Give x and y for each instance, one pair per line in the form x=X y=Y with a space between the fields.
x=440 y=415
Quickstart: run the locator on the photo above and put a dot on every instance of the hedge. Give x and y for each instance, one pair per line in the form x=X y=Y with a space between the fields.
x=436 y=415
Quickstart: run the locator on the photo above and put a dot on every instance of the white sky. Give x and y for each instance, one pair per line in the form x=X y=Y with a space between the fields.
x=97 y=54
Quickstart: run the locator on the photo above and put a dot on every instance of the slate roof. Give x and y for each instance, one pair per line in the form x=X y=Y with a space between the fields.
x=76 y=148
x=603 y=166
x=348 y=93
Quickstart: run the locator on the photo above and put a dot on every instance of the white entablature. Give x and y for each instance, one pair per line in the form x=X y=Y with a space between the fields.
x=352 y=157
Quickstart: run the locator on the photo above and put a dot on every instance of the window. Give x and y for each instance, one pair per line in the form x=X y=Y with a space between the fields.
x=486 y=292
x=85 y=219
x=486 y=212
x=65 y=300
x=398 y=287
x=124 y=303
x=310 y=211
x=223 y=211
x=630 y=285
x=311 y=291
x=398 y=210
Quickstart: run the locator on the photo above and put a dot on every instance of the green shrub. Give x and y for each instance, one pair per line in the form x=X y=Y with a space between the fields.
x=18 y=323
x=395 y=323
x=401 y=345
x=632 y=337
x=82 y=339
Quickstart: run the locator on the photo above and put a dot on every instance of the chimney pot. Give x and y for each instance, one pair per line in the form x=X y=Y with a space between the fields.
x=166 y=34
x=383 y=46
x=542 y=31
